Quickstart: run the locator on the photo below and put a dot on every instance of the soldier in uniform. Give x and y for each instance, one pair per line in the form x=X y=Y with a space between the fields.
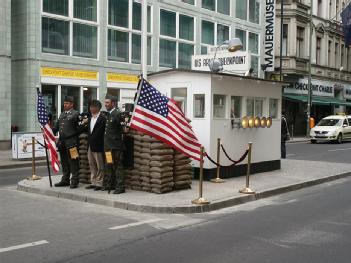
x=68 y=143
x=113 y=146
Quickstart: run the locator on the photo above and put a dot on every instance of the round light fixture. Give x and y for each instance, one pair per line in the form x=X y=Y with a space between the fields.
x=263 y=122
x=251 y=122
x=257 y=122
x=234 y=44
x=269 y=122
x=244 y=122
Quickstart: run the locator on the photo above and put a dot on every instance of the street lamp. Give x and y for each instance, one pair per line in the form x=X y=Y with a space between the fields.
x=233 y=44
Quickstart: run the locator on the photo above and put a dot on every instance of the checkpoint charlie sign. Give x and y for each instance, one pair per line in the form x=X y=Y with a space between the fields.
x=319 y=88
x=237 y=62
x=269 y=34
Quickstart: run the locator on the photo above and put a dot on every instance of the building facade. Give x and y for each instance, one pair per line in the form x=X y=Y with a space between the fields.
x=330 y=65
x=87 y=48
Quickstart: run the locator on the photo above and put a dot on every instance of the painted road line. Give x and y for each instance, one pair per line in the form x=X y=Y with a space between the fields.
x=41 y=242
x=336 y=150
x=135 y=224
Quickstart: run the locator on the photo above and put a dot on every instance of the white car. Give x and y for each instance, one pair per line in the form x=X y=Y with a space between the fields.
x=332 y=128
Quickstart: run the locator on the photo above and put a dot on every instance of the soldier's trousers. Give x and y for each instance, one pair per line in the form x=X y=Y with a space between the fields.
x=69 y=166
x=113 y=176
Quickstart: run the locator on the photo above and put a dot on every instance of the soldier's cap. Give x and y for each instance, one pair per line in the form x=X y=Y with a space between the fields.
x=69 y=99
x=110 y=97
x=96 y=103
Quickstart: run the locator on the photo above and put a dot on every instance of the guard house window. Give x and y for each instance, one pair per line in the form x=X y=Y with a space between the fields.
x=176 y=46
x=285 y=40
x=235 y=107
x=124 y=31
x=219 y=106
x=199 y=105
x=241 y=34
x=254 y=107
x=300 y=35
x=318 y=50
x=180 y=96
x=273 y=108
x=254 y=11
x=253 y=47
x=241 y=9
x=60 y=17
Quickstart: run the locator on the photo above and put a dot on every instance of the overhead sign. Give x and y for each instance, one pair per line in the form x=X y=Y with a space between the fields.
x=69 y=73
x=117 y=77
x=269 y=35
x=238 y=62
x=319 y=88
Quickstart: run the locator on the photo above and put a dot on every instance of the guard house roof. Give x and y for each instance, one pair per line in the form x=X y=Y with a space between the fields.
x=215 y=74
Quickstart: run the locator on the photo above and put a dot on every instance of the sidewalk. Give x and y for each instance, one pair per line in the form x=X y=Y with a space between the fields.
x=298 y=139
x=6 y=161
x=294 y=175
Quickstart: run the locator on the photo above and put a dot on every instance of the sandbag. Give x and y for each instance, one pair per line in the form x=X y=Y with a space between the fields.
x=161 y=163
x=182 y=177
x=161 y=158
x=157 y=175
x=159 y=146
x=161 y=181
x=182 y=162
x=162 y=152
x=145 y=155
x=161 y=169
x=182 y=167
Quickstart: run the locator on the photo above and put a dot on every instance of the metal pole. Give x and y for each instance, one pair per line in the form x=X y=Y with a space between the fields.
x=47 y=163
x=281 y=40
x=217 y=179
x=144 y=38
x=201 y=200
x=309 y=97
x=247 y=190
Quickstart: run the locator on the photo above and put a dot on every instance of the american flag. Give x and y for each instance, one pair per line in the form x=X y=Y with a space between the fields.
x=47 y=133
x=161 y=118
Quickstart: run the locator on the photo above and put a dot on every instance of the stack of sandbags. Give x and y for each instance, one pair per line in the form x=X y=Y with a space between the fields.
x=84 y=169
x=161 y=167
x=182 y=171
x=127 y=173
x=133 y=176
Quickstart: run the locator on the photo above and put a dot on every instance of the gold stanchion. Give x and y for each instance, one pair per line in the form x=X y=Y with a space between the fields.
x=201 y=200
x=217 y=179
x=247 y=190
x=33 y=177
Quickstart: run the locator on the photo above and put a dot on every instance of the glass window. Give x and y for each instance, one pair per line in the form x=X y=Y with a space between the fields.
x=241 y=9
x=285 y=40
x=115 y=92
x=254 y=11
x=136 y=49
x=185 y=51
x=241 y=34
x=168 y=23
x=89 y=94
x=167 y=53
x=55 y=36
x=118 y=13
x=50 y=98
x=199 y=105
x=207 y=36
x=253 y=43
x=273 y=108
x=203 y=50
x=223 y=6
x=191 y=2
x=84 y=40
x=209 y=4
x=222 y=33
x=136 y=23
x=254 y=64
x=186 y=27
x=254 y=107
x=219 y=104
x=118 y=45
x=71 y=91
x=258 y=107
x=58 y=7
x=85 y=9
x=300 y=35
x=180 y=96
x=235 y=107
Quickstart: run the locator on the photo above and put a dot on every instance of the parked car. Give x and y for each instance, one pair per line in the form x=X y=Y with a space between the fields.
x=332 y=128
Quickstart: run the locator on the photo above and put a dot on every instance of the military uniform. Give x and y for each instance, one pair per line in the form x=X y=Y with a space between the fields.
x=68 y=143
x=113 y=147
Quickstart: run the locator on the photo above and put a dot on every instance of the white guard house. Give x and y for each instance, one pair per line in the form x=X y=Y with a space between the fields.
x=216 y=104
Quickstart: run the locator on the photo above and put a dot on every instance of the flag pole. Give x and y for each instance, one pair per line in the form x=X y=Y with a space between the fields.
x=47 y=161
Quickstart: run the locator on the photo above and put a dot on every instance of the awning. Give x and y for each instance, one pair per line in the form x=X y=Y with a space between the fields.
x=317 y=100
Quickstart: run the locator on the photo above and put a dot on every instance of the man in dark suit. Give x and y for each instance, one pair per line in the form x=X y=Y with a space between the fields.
x=68 y=142
x=113 y=146
x=96 y=128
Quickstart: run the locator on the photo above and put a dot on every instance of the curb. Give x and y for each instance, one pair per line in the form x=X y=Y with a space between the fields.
x=216 y=205
x=297 y=141
x=21 y=165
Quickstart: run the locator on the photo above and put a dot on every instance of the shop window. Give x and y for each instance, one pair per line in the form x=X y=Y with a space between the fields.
x=114 y=92
x=273 y=108
x=180 y=96
x=55 y=36
x=199 y=105
x=71 y=91
x=254 y=107
x=89 y=94
x=84 y=40
x=50 y=98
x=235 y=107
x=219 y=106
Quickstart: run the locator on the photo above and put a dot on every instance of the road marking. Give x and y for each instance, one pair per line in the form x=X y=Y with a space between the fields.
x=135 y=224
x=346 y=149
x=41 y=242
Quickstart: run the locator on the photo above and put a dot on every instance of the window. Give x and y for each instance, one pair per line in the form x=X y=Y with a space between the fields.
x=318 y=51
x=207 y=33
x=241 y=9
x=124 y=31
x=342 y=59
x=50 y=97
x=329 y=53
x=319 y=8
x=190 y=2
x=223 y=6
x=180 y=96
x=73 y=91
x=176 y=47
x=285 y=40
x=254 y=107
x=300 y=35
x=209 y=4
x=253 y=47
x=199 y=105
x=336 y=55
x=219 y=106
x=254 y=11
x=212 y=34
x=62 y=16
x=89 y=94
x=235 y=107
x=242 y=35
x=347 y=59
x=273 y=108
x=222 y=33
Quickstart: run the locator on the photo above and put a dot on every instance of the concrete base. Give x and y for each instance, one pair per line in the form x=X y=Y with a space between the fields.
x=5 y=145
